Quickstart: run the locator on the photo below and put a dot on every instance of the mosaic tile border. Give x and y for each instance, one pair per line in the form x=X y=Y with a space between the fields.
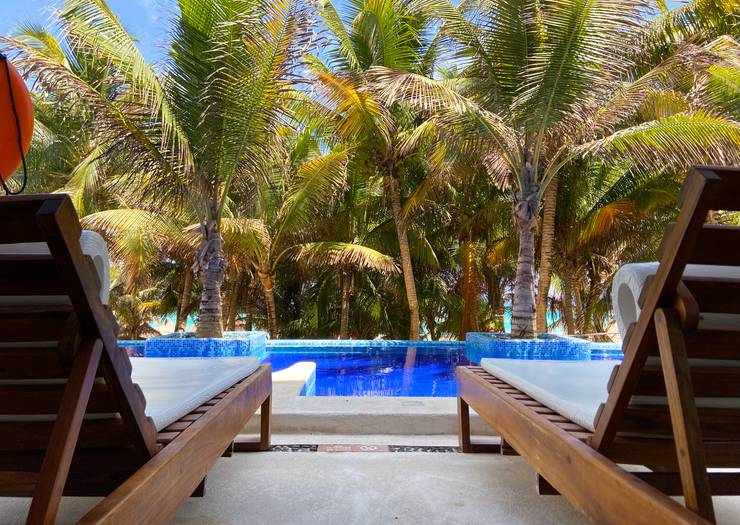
x=324 y=343
x=365 y=448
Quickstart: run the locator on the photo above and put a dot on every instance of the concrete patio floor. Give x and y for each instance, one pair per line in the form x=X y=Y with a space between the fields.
x=365 y=488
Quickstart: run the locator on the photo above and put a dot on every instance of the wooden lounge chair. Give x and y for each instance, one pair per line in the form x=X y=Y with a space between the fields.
x=72 y=421
x=672 y=405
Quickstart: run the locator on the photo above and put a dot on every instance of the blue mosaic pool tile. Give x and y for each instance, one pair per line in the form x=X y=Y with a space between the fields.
x=361 y=343
x=480 y=345
x=233 y=344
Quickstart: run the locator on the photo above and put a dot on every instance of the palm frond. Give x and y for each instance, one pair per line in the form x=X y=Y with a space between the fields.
x=678 y=140
x=344 y=255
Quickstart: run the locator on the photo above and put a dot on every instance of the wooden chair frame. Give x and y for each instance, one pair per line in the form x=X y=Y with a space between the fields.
x=677 y=442
x=79 y=371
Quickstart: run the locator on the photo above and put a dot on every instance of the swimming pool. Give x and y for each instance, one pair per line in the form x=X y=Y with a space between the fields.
x=384 y=371
x=375 y=371
x=365 y=368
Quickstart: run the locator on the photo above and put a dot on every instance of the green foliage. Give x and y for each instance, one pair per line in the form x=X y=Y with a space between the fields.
x=293 y=125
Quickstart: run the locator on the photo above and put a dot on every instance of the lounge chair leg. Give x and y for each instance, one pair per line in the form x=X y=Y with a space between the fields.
x=265 y=415
x=58 y=457
x=463 y=425
x=200 y=490
x=544 y=488
x=684 y=415
x=506 y=449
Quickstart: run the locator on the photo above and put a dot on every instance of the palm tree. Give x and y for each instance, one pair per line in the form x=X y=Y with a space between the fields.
x=296 y=184
x=186 y=133
x=548 y=84
x=347 y=258
x=388 y=33
x=699 y=22
x=606 y=216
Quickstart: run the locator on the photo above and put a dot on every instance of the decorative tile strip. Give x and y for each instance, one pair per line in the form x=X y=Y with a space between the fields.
x=293 y=448
x=353 y=448
x=437 y=450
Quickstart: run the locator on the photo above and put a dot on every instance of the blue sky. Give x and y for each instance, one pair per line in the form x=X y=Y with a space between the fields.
x=145 y=19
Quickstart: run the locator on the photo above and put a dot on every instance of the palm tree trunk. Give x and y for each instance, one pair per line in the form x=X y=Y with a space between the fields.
x=526 y=210
x=212 y=266
x=267 y=289
x=403 y=245
x=522 y=309
x=234 y=303
x=580 y=313
x=567 y=301
x=548 y=238
x=344 y=313
x=469 y=290
x=187 y=288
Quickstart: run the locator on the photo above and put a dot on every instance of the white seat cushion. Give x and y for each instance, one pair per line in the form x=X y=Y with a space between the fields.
x=574 y=389
x=630 y=279
x=92 y=244
x=174 y=387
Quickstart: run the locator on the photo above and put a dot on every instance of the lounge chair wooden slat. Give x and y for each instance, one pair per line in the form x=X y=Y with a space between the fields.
x=662 y=452
x=715 y=246
x=729 y=198
x=711 y=245
x=721 y=483
x=34 y=435
x=24 y=324
x=672 y=401
x=655 y=420
x=46 y=399
x=178 y=426
x=19 y=362
x=717 y=294
x=708 y=381
x=29 y=275
x=17 y=210
x=711 y=344
x=79 y=426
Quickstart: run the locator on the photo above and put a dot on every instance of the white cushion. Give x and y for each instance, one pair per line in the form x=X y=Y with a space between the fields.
x=174 y=387
x=630 y=279
x=574 y=389
x=92 y=244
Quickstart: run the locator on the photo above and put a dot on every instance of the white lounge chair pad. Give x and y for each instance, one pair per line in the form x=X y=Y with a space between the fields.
x=174 y=387
x=92 y=244
x=630 y=279
x=574 y=389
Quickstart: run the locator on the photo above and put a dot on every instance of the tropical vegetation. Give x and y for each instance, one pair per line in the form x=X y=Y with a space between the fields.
x=380 y=168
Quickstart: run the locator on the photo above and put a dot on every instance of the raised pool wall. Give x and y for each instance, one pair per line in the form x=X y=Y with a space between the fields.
x=232 y=344
x=480 y=345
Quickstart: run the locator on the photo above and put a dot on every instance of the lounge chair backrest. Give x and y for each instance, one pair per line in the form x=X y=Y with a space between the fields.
x=637 y=405
x=49 y=351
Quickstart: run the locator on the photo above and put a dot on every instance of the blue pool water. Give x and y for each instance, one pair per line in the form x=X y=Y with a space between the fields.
x=378 y=372
x=383 y=371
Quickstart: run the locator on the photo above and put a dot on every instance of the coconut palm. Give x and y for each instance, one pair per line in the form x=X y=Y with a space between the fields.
x=546 y=84
x=388 y=33
x=186 y=133
x=347 y=259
